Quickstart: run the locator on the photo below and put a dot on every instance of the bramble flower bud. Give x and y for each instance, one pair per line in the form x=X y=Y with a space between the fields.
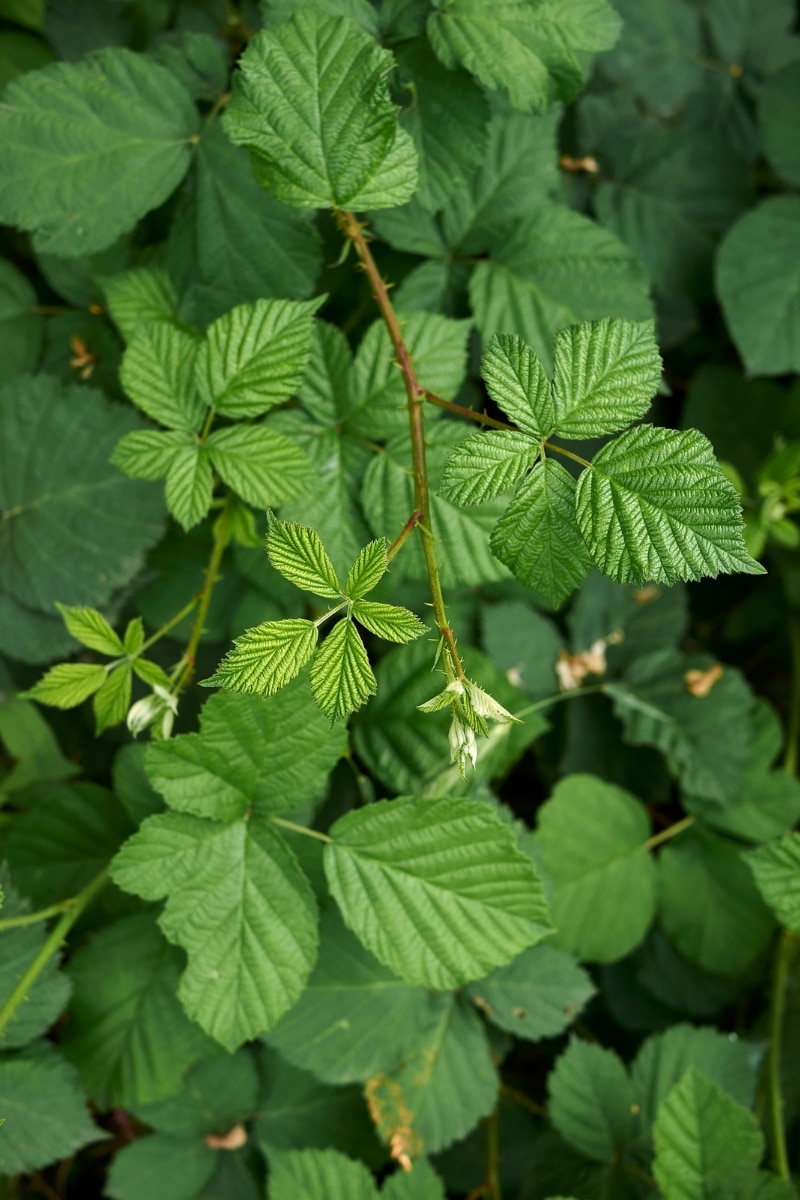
x=160 y=704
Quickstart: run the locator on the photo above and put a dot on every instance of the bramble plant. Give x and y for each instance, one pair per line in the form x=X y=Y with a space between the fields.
x=472 y=873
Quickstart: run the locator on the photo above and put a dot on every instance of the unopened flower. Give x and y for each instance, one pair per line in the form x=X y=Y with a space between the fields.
x=160 y=706
x=463 y=747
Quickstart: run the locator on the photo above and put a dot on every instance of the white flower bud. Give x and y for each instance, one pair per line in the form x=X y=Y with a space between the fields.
x=463 y=747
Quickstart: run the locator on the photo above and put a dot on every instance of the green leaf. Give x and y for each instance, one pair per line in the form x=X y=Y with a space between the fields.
x=157 y=372
x=318 y=1175
x=538 y=536
x=181 y=1165
x=485 y=465
x=32 y=747
x=113 y=699
x=67 y=685
x=776 y=868
x=778 y=100
x=389 y=621
x=356 y=1018
x=591 y=1100
x=217 y=1092
x=90 y=628
x=241 y=907
x=251 y=753
x=45 y=1115
x=341 y=677
x=525 y=645
x=536 y=996
x=368 y=570
x=758 y=285
x=654 y=505
x=140 y=298
x=516 y=381
x=254 y=357
x=261 y=465
x=436 y=889
x=46 y=999
x=127 y=1033
x=605 y=374
x=657 y=55
x=190 y=485
x=149 y=453
x=319 y=82
x=554 y=268
x=298 y=553
x=91 y=147
x=20 y=327
x=264 y=659
x=525 y=46
x=709 y=905
x=420 y=1183
x=591 y=838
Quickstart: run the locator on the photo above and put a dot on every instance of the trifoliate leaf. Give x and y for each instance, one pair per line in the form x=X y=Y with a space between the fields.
x=91 y=147
x=127 y=1033
x=140 y=298
x=605 y=374
x=267 y=657
x=254 y=357
x=47 y=997
x=591 y=1100
x=265 y=755
x=319 y=83
x=190 y=484
x=776 y=868
x=241 y=907
x=298 y=553
x=524 y=46
x=591 y=839
x=538 y=536
x=341 y=676
x=654 y=505
x=485 y=465
x=68 y=684
x=368 y=570
x=90 y=628
x=318 y=1175
x=149 y=453
x=389 y=621
x=157 y=372
x=536 y=996
x=112 y=700
x=474 y=904
x=516 y=381
x=44 y=1110
x=261 y=465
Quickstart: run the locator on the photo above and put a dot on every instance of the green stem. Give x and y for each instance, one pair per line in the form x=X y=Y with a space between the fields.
x=594 y=689
x=54 y=940
x=312 y=833
x=777 y=1006
x=221 y=539
x=667 y=834
x=407 y=529
x=43 y=914
x=170 y=624
x=791 y=760
x=493 y=1156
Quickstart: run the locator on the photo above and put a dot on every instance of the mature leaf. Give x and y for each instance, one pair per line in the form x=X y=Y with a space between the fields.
x=776 y=868
x=264 y=659
x=20 y=327
x=389 y=621
x=778 y=101
x=318 y=1175
x=48 y=995
x=251 y=753
x=91 y=147
x=31 y=746
x=591 y=1100
x=525 y=46
x=591 y=838
x=524 y=644
x=254 y=357
x=485 y=465
x=368 y=570
x=516 y=381
x=536 y=996
x=190 y=484
x=658 y=52
x=183 y=1165
x=241 y=907
x=68 y=684
x=127 y=1033
x=90 y=628
x=757 y=284
x=298 y=553
x=157 y=372
x=149 y=453
x=538 y=536
x=217 y=1092
x=319 y=83
x=654 y=505
x=341 y=678
x=436 y=889
x=261 y=465
x=420 y=1183
x=45 y=1115
x=362 y=12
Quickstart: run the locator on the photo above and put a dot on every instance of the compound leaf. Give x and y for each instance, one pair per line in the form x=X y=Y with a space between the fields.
x=90 y=628
x=47 y=997
x=341 y=677
x=389 y=621
x=516 y=381
x=149 y=453
x=68 y=684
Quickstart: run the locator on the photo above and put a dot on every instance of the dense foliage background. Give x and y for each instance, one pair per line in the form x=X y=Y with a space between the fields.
x=576 y=162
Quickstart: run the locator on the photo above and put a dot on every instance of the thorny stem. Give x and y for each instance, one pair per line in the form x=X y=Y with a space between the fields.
x=55 y=938
x=408 y=528
x=780 y=976
x=352 y=229
x=670 y=832
x=221 y=539
x=304 y=829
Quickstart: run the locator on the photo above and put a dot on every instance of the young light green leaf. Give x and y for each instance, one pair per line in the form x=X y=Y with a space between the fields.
x=298 y=553
x=261 y=465
x=485 y=465
x=267 y=657
x=91 y=147
x=516 y=381
x=254 y=357
x=149 y=453
x=354 y=155
x=190 y=485
x=158 y=373
x=90 y=628
x=535 y=996
x=318 y=1175
x=134 y=636
x=140 y=298
x=776 y=867
x=341 y=677
x=538 y=536
x=655 y=506
x=591 y=1100
x=389 y=621
x=368 y=570
x=67 y=685
x=605 y=374
x=112 y=700
x=436 y=889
